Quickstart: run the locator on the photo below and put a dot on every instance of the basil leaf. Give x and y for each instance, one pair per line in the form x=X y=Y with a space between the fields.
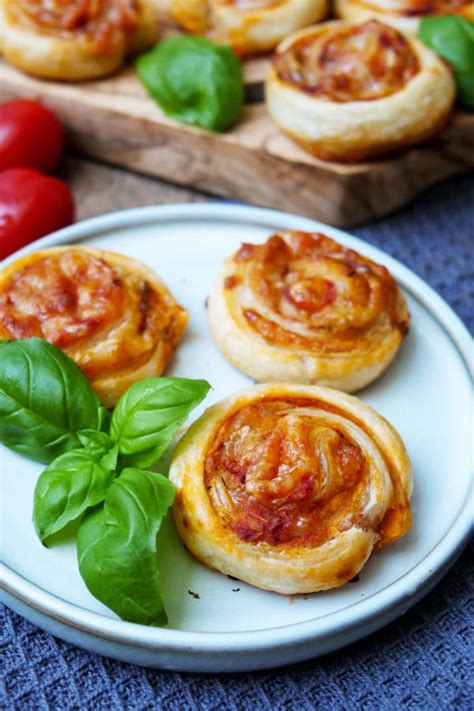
x=74 y=482
x=116 y=546
x=452 y=37
x=45 y=399
x=148 y=415
x=195 y=81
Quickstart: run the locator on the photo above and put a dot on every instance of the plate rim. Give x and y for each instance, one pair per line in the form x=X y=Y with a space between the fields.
x=398 y=596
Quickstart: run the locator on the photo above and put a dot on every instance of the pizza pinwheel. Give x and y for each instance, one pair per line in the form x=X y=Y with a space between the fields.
x=348 y=92
x=248 y=26
x=73 y=40
x=109 y=313
x=302 y=308
x=290 y=487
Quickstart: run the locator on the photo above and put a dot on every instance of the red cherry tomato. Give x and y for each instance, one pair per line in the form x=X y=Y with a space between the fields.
x=31 y=205
x=30 y=136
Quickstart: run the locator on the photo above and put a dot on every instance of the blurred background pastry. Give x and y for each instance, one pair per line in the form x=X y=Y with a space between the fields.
x=75 y=39
x=350 y=91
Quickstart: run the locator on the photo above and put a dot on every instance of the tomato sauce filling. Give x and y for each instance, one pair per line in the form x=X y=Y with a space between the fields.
x=106 y=317
x=361 y=63
x=323 y=295
x=64 y=298
x=277 y=473
x=100 y=20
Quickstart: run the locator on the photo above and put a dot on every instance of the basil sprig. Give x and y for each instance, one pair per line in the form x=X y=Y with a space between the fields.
x=452 y=37
x=49 y=412
x=195 y=81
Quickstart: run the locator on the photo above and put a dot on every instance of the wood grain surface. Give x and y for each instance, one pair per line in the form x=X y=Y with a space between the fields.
x=115 y=120
x=100 y=188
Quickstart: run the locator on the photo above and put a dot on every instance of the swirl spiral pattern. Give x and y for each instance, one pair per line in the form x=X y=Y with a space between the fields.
x=348 y=91
x=112 y=315
x=291 y=488
x=302 y=308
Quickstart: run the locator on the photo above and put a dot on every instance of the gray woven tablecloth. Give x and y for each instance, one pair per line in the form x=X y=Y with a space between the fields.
x=422 y=661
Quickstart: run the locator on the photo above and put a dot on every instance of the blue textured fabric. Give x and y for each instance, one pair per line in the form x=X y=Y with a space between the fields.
x=422 y=661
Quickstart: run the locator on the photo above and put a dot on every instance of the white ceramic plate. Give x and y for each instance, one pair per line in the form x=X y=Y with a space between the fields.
x=232 y=626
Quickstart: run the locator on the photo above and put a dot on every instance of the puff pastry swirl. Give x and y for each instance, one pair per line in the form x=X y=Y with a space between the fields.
x=74 y=40
x=290 y=487
x=111 y=314
x=302 y=308
x=348 y=91
x=405 y=15
x=248 y=26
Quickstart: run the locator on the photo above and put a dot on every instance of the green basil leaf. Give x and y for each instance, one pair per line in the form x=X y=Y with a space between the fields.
x=452 y=37
x=74 y=482
x=45 y=399
x=117 y=550
x=148 y=415
x=195 y=81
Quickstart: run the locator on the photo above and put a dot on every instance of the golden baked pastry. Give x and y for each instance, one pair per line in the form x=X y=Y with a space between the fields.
x=248 y=26
x=347 y=91
x=302 y=308
x=111 y=314
x=75 y=40
x=290 y=487
x=405 y=15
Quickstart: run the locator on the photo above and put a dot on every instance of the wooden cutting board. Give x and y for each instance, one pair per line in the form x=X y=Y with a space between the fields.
x=115 y=121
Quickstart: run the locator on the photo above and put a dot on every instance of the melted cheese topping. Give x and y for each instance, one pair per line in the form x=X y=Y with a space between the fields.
x=104 y=317
x=304 y=290
x=299 y=472
x=98 y=20
x=359 y=63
